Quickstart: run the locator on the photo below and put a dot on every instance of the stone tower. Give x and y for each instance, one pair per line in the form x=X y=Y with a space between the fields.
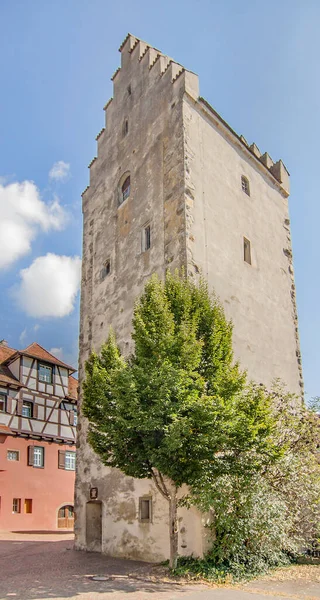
x=173 y=185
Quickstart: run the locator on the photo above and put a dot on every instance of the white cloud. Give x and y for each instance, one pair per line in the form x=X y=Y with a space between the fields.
x=23 y=214
x=59 y=171
x=48 y=288
x=23 y=336
x=36 y=327
x=57 y=352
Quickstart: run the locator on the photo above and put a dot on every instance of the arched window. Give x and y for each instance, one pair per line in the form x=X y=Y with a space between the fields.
x=245 y=185
x=124 y=189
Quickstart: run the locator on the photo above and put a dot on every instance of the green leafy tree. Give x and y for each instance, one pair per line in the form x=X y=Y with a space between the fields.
x=178 y=409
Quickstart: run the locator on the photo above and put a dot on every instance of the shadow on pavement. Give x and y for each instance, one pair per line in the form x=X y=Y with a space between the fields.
x=34 y=570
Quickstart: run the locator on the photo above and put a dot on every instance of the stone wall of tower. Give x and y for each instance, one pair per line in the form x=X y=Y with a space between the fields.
x=148 y=94
x=185 y=167
x=259 y=298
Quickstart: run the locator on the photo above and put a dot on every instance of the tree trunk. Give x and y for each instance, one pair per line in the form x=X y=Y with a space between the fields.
x=173 y=527
x=169 y=491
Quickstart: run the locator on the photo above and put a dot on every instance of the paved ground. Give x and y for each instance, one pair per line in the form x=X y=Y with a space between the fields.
x=43 y=567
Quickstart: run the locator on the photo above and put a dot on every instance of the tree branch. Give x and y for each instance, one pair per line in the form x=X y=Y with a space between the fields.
x=163 y=484
x=163 y=491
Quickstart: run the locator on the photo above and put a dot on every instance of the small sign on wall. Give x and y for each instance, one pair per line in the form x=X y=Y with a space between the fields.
x=93 y=493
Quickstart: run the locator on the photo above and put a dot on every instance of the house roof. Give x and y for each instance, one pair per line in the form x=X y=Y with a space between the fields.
x=36 y=351
x=73 y=388
x=7 y=377
x=6 y=352
x=4 y=429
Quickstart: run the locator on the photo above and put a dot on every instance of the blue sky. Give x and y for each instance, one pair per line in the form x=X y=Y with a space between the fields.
x=258 y=67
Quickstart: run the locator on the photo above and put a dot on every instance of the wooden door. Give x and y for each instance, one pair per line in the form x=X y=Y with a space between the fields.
x=66 y=517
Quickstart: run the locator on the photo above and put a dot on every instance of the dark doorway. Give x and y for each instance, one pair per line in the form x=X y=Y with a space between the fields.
x=94 y=526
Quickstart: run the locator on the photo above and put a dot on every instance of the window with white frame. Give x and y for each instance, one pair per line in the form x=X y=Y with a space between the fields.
x=13 y=455
x=3 y=402
x=36 y=456
x=45 y=373
x=27 y=409
x=70 y=461
x=67 y=460
x=16 y=505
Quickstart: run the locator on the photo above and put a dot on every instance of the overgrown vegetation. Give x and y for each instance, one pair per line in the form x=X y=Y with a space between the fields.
x=265 y=519
x=180 y=411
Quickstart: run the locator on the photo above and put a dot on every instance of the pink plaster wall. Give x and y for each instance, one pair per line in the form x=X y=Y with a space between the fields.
x=48 y=487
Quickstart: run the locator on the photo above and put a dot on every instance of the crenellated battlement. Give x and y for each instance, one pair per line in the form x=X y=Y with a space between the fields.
x=115 y=74
x=147 y=66
x=100 y=133
x=148 y=56
x=107 y=104
x=92 y=161
x=159 y=65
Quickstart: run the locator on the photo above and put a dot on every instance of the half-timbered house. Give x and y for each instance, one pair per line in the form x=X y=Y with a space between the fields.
x=38 y=417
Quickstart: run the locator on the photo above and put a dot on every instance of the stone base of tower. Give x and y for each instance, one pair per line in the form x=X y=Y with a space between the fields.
x=109 y=519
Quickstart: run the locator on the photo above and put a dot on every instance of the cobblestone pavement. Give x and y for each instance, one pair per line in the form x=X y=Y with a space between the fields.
x=43 y=567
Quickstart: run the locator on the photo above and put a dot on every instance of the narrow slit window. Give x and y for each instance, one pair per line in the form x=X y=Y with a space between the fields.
x=129 y=90
x=106 y=269
x=125 y=190
x=125 y=127
x=145 y=510
x=245 y=185
x=247 y=251
x=146 y=238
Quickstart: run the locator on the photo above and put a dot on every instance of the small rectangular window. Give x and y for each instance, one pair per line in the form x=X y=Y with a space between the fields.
x=3 y=402
x=247 y=251
x=145 y=510
x=146 y=238
x=13 y=455
x=16 y=505
x=45 y=373
x=28 y=506
x=27 y=409
x=245 y=185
